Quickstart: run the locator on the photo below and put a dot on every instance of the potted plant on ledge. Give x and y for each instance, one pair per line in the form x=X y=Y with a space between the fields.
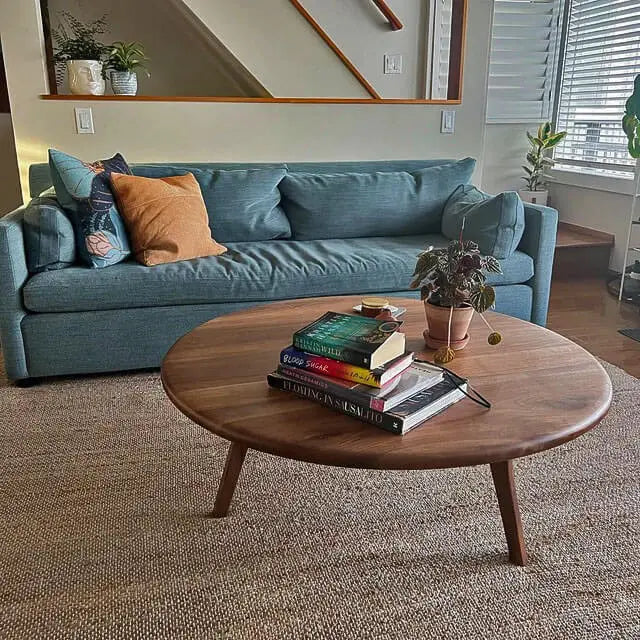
x=536 y=191
x=125 y=59
x=453 y=284
x=77 y=47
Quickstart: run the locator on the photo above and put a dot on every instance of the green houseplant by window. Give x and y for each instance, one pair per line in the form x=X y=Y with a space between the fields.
x=453 y=284
x=78 y=48
x=125 y=59
x=628 y=286
x=538 y=162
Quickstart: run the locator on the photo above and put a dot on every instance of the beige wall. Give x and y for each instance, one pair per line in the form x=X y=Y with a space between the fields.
x=363 y=34
x=10 y=196
x=279 y=47
x=230 y=131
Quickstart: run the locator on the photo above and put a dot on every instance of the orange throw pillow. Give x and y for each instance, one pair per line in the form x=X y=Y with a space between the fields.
x=166 y=218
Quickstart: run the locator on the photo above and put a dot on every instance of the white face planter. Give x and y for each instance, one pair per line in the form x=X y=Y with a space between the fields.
x=85 y=77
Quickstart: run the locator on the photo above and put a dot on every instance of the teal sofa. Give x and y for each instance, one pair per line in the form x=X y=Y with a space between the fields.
x=78 y=320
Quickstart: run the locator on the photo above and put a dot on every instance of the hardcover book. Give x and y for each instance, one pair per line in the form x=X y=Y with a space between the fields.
x=364 y=342
x=291 y=357
x=402 y=418
x=415 y=378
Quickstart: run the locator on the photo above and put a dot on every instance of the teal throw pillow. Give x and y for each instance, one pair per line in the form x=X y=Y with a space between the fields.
x=362 y=205
x=494 y=223
x=48 y=235
x=84 y=190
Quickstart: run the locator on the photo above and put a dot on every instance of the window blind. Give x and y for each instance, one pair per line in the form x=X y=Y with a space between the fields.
x=601 y=60
x=442 y=10
x=523 y=60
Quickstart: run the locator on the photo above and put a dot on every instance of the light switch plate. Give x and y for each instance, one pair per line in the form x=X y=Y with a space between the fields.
x=393 y=63
x=84 y=120
x=448 y=123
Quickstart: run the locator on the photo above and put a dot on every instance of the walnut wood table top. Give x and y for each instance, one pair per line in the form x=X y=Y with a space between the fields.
x=545 y=390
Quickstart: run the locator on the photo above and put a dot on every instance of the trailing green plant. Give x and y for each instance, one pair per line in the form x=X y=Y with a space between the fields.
x=455 y=276
x=75 y=40
x=537 y=157
x=631 y=120
x=127 y=56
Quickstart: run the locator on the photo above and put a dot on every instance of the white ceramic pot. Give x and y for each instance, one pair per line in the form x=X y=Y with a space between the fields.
x=85 y=77
x=124 y=83
x=534 y=197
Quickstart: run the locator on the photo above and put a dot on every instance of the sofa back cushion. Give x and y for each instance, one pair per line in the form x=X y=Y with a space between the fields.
x=494 y=223
x=358 y=205
x=48 y=235
x=243 y=205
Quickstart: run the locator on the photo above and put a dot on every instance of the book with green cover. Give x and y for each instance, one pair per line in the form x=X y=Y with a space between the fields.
x=364 y=342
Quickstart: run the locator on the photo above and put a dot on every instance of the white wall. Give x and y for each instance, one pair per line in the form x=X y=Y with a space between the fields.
x=505 y=147
x=184 y=61
x=10 y=196
x=600 y=210
x=169 y=131
x=364 y=36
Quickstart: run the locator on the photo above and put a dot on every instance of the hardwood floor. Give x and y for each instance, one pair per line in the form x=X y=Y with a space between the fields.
x=585 y=312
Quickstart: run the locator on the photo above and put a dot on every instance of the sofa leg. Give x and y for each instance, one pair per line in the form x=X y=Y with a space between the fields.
x=25 y=383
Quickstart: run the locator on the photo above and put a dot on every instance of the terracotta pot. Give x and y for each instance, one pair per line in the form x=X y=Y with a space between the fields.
x=438 y=326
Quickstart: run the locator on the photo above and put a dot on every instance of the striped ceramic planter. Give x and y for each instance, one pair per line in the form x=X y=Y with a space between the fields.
x=124 y=83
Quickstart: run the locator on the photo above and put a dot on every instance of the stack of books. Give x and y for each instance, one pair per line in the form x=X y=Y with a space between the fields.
x=359 y=366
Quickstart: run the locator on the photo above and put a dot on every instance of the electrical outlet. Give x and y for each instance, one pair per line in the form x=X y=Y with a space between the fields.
x=448 y=122
x=393 y=63
x=84 y=120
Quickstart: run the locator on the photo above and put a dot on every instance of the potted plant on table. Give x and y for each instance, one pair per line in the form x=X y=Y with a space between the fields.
x=536 y=191
x=125 y=59
x=453 y=285
x=78 y=48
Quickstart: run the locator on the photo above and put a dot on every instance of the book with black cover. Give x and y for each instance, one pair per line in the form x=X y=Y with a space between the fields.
x=416 y=377
x=364 y=342
x=402 y=418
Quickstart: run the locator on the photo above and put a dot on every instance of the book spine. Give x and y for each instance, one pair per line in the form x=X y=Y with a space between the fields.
x=338 y=390
x=344 y=354
x=353 y=409
x=329 y=367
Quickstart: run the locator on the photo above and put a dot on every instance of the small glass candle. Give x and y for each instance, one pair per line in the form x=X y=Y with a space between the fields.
x=371 y=307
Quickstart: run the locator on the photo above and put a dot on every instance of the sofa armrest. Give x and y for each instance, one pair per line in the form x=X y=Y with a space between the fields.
x=539 y=241
x=13 y=275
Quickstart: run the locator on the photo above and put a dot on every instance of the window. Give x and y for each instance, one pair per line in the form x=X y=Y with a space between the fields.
x=601 y=59
x=523 y=60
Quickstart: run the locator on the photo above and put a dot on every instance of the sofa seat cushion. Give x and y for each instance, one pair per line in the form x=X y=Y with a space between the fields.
x=250 y=271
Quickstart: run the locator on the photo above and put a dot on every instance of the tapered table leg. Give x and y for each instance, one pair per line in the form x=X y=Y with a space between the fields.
x=503 y=481
x=232 y=468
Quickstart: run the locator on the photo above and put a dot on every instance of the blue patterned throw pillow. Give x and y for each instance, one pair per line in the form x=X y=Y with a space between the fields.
x=84 y=190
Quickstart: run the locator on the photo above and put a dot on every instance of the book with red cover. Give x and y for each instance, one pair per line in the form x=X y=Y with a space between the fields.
x=292 y=357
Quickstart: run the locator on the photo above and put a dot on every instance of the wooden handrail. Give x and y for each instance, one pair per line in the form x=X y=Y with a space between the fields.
x=394 y=21
x=336 y=49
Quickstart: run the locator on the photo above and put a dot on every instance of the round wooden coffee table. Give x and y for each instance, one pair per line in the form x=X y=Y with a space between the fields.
x=545 y=391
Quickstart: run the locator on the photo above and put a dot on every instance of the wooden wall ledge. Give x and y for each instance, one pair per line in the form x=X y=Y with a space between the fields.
x=111 y=98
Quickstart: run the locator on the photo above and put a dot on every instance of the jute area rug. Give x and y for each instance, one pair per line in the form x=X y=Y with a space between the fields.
x=104 y=488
